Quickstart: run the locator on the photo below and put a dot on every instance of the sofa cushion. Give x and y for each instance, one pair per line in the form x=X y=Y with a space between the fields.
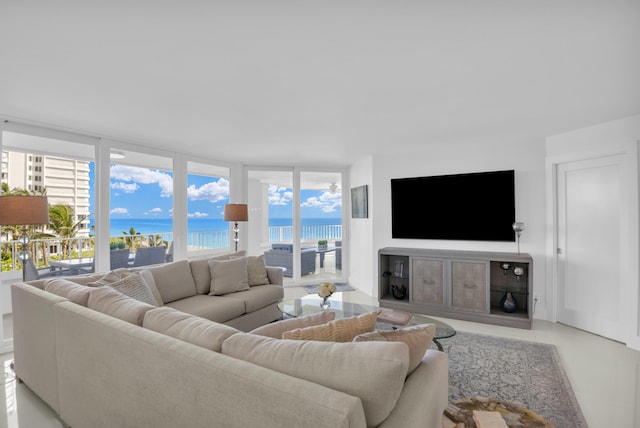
x=275 y=329
x=257 y=297
x=340 y=330
x=174 y=280
x=228 y=276
x=151 y=282
x=112 y=302
x=135 y=286
x=257 y=271
x=189 y=328
x=373 y=371
x=108 y=278
x=75 y=292
x=201 y=273
x=417 y=337
x=213 y=308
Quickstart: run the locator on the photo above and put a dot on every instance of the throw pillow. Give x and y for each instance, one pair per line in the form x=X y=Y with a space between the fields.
x=201 y=272
x=151 y=282
x=341 y=330
x=275 y=329
x=112 y=302
x=257 y=271
x=417 y=337
x=189 y=328
x=174 y=280
x=108 y=278
x=134 y=285
x=75 y=292
x=228 y=276
x=373 y=371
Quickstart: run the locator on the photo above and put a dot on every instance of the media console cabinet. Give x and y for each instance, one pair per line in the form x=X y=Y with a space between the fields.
x=488 y=287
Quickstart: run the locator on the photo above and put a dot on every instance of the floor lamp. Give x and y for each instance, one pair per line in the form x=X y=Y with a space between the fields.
x=23 y=210
x=236 y=213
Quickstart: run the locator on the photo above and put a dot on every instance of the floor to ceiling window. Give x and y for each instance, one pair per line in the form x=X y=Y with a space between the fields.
x=291 y=215
x=207 y=194
x=141 y=206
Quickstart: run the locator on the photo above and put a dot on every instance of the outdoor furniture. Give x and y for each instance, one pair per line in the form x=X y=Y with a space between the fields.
x=322 y=252
x=282 y=255
x=32 y=273
x=119 y=258
x=339 y=255
x=74 y=266
x=150 y=256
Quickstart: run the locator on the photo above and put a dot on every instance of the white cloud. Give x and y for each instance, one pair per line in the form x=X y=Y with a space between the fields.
x=125 y=187
x=143 y=176
x=154 y=211
x=197 y=214
x=279 y=195
x=328 y=202
x=213 y=191
x=119 y=211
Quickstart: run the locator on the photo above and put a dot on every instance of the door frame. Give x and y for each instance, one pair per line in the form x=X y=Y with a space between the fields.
x=630 y=320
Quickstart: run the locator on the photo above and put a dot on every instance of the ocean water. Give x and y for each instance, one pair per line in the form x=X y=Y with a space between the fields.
x=165 y=225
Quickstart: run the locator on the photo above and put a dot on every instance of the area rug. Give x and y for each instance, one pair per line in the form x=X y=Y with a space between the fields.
x=529 y=374
x=340 y=286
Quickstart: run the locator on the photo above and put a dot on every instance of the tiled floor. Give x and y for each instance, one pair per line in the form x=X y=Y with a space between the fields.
x=605 y=374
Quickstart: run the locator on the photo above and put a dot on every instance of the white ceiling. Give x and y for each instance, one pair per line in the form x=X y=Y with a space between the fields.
x=318 y=82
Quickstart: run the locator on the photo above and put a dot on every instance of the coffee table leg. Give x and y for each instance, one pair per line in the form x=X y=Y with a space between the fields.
x=438 y=345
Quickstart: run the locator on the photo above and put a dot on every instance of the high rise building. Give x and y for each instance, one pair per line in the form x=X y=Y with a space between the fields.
x=66 y=180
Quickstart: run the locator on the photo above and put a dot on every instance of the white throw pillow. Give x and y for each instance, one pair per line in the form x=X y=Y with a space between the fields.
x=228 y=276
x=134 y=285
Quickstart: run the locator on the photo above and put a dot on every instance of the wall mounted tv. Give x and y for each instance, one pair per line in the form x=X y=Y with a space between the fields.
x=467 y=207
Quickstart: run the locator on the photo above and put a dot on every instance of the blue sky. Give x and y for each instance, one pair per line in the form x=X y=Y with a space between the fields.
x=148 y=193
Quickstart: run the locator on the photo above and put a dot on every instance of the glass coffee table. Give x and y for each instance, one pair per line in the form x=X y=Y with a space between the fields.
x=307 y=306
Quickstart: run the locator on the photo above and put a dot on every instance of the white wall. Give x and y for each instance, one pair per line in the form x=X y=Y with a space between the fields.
x=362 y=270
x=620 y=136
x=526 y=157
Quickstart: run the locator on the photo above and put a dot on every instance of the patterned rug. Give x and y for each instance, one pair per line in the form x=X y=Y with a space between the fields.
x=340 y=286
x=526 y=373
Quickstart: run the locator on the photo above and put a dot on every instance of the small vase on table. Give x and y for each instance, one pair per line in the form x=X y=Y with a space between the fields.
x=325 y=291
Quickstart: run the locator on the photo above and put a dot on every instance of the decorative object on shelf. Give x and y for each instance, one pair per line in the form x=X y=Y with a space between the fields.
x=508 y=303
x=323 y=244
x=236 y=213
x=325 y=291
x=399 y=291
x=518 y=271
x=399 y=269
x=23 y=210
x=518 y=227
x=505 y=267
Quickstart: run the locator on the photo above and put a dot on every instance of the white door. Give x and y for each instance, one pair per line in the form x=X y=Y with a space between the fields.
x=590 y=224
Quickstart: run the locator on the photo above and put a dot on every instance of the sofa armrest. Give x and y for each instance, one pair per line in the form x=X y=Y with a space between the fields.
x=424 y=396
x=275 y=274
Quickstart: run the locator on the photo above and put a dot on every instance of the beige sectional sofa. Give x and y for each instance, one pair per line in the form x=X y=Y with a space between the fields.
x=100 y=358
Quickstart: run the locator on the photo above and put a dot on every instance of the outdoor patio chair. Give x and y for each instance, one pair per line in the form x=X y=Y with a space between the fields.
x=32 y=273
x=119 y=258
x=150 y=256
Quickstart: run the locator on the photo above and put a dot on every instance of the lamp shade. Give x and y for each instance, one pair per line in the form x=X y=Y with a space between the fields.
x=236 y=212
x=23 y=209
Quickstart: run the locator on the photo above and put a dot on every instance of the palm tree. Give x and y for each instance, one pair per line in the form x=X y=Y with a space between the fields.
x=132 y=238
x=156 y=241
x=61 y=222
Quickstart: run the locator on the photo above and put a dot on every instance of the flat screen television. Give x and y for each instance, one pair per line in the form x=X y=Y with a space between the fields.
x=467 y=207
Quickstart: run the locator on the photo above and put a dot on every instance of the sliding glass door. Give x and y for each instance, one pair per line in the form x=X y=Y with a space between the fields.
x=291 y=215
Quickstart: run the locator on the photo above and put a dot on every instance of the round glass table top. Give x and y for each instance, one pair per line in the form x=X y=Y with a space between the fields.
x=307 y=306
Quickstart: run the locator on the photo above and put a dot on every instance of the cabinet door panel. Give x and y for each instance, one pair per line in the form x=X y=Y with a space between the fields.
x=427 y=281
x=469 y=285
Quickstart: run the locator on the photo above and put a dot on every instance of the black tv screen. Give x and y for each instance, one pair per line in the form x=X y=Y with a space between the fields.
x=467 y=207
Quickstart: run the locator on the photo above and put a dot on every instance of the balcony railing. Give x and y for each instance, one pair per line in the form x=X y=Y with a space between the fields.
x=43 y=250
